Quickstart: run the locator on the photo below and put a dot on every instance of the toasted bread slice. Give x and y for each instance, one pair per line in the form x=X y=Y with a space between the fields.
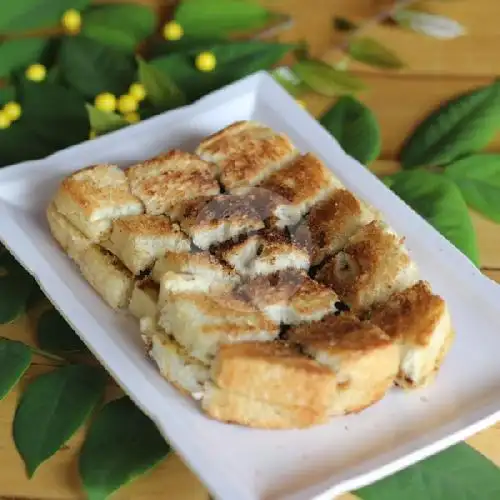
x=235 y=408
x=201 y=322
x=92 y=197
x=144 y=300
x=334 y=220
x=364 y=359
x=420 y=322
x=138 y=240
x=264 y=253
x=174 y=363
x=198 y=264
x=298 y=186
x=107 y=275
x=274 y=372
x=290 y=297
x=372 y=265
x=175 y=283
x=213 y=221
x=71 y=239
x=172 y=178
x=246 y=152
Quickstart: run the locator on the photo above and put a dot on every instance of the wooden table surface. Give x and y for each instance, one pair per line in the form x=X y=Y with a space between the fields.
x=436 y=71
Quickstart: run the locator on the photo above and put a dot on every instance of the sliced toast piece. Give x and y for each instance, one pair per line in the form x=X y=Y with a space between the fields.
x=246 y=152
x=201 y=322
x=138 y=240
x=71 y=239
x=107 y=275
x=334 y=220
x=198 y=264
x=174 y=363
x=172 y=178
x=298 y=186
x=144 y=299
x=420 y=323
x=264 y=253
x=274 y=372
x=213 y=221
x=290 y=297
x=91 y=198
x=364 y=359
x=372 y=265
x=235 y=408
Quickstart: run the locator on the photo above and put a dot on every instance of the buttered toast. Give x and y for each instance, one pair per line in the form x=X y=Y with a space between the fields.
x=262 y=287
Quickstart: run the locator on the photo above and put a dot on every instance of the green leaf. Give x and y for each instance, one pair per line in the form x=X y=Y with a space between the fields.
x=461 y=126
x=458 y=473
x=14 y=54
x=92 y=67
x=161 y=91
x=122 y=26
x=188 y=44
x=343 y=24
x=104 y=121
x=370 y=51
x=15 y=359
x=7 y=94
x=52 y=408
x=478 y=177
x=122 y=444
x=16 y=285
x=289 y=81
x=54 y=334
x=326 y=80
x=355 y=127
x=234 y=60
x=26 y=15
x=440 y=202
x=54 y=115
x=200 y=18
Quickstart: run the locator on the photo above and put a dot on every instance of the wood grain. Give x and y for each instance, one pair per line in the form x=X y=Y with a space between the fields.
x=437 y=70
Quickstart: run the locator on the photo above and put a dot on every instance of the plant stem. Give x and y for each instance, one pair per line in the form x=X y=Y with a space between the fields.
x=379 y=18
x=48 y=355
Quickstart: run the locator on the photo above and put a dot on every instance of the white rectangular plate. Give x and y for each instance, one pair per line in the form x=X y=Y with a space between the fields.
x=238 y=463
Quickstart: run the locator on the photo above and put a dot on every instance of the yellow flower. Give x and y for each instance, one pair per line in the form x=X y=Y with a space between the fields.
x=92 y=134
x=4 y=120
x=137 y=91
x=132 y=117
x=13 y=110
x=36 y=72
x=71 y=21
x=173 y=31
x=127 y=104
x=205 y=61
x=105 y=102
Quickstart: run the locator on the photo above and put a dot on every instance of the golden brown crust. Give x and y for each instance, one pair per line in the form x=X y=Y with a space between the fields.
x=411 y=315
x=234 y=408
x=367 y=269
x=246 y=152
x=147 y=225
x=336 y=334
x=333 y=221
x=303 y=179
x=274 y=372
x=95 y=188
x=172 y=178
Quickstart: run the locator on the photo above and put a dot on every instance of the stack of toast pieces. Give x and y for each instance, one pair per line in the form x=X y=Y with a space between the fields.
x=263 y=287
